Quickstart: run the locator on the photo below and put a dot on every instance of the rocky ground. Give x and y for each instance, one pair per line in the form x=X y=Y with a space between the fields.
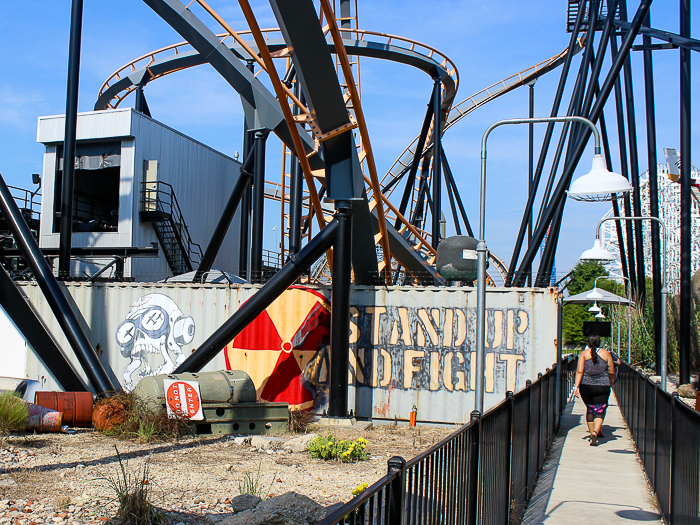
x=66 y=478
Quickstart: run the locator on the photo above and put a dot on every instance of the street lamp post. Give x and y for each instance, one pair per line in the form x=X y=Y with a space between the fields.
x=595 y=296
x=593 y=255
x=599 y=176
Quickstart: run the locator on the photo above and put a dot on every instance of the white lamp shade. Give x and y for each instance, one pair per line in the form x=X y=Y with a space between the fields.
x=600 y=315
x=595 y=295
x=594 y=309
x=597 y=253
x=599 y=184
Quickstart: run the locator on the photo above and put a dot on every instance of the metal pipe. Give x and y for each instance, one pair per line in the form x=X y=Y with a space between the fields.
x=437 y=155
x=340 y=311
x=686 y=210
x=530 y=164
x=256 y=241
x=482 y=250
x=58 y=303
x=283 y=279
x=664 y=289
x=560 y=191
x=217 y=238
x=66 y=222
x=653 y=189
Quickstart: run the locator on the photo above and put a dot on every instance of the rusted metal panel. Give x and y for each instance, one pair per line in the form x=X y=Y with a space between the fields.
x=410 y=346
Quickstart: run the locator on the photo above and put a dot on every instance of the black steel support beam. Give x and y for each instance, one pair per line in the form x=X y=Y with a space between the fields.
x=217 y=238
x=437 y=164
x=256 y=231
x=33 y=330
x=296 y=190
x=340 y=311
x=624 y=170
x=634 y=171
x=682 y=41
x=420 y=145
x=530 y=164
x=686 y=210
x=653 y=193
x=565 y=180
x=66 y=221
x=543 y=153
x=58 y=303
x=283 y=279
x=244 y=238
x=450 y=181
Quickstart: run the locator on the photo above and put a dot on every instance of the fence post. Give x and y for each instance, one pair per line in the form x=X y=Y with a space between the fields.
x=528 y=387
x=397 y=491
x=473 y=489
x=509 y=448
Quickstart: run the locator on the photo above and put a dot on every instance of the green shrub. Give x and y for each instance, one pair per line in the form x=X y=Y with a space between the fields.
x=328 y=447
x=13 y=413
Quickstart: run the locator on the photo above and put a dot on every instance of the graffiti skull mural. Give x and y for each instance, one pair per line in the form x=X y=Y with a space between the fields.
x=152 y=336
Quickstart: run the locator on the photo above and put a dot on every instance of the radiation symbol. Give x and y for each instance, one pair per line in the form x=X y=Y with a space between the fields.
x=278 y=345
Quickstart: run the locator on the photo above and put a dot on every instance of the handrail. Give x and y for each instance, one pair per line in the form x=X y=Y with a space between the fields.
x=455 y=467
x=27 y=201
x=173 y=209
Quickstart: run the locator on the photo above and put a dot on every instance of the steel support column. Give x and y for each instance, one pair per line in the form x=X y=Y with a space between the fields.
x=66 y=222
x=634 y=170
x=686 y=218
x=296 y=191
x=256 y=241
x=340 y=311
x=653 y=191
x=437 y=164
x=530 y=164
x=244 y=239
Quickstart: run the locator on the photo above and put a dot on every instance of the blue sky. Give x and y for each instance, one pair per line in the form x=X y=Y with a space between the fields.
x=488 y=41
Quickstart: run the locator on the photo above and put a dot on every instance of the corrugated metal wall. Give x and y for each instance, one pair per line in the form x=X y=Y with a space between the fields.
x=410 y=346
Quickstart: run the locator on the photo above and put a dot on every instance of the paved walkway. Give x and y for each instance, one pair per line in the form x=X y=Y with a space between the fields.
x=584 y=484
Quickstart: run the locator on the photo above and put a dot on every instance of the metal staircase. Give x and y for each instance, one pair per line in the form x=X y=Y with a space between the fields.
x=159 y=206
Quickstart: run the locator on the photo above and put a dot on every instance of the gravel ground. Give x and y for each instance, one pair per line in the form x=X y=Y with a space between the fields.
x=63 y=478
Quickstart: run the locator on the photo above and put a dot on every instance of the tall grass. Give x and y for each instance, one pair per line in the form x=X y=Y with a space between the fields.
x=13 y=413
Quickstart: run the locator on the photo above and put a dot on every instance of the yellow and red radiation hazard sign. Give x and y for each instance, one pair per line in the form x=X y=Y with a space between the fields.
x=182 y=399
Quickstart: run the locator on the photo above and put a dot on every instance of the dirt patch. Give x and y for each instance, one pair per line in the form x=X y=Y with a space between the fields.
x=54 y=478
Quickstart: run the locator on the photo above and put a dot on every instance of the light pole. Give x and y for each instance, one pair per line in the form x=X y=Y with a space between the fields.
x=605 y=183
x=595 y=254
x=595 y=295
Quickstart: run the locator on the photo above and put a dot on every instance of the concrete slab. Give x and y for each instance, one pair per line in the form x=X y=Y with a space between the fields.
x=584 y=484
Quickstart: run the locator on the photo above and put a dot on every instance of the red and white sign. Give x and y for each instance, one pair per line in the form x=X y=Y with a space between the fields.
x=183 y=399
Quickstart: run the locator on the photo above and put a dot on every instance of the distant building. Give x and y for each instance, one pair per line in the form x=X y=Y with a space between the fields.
x=670 y=212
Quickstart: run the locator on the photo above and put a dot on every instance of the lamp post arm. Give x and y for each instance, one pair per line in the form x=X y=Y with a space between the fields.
x=664 y=288
x=572 y=118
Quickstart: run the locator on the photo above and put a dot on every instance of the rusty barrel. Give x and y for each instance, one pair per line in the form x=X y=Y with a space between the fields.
x=42 y=419
x=76 y=406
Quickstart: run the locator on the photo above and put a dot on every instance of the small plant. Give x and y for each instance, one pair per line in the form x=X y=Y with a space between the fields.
x=329 y=447
x=299 y=421
x=253 y=485
x=132 y=495
x=62 y=502
x=13 y=413
x=360 y=488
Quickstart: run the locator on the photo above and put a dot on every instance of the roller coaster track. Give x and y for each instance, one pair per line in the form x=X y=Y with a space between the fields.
x=176 y=57
x=464 y=108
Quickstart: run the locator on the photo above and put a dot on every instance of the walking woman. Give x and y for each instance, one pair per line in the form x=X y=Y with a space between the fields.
x=594 y=376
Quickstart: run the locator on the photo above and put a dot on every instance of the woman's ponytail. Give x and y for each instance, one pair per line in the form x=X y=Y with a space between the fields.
x=593 y=344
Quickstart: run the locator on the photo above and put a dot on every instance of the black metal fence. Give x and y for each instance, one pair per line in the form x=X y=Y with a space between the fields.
x=666 y=432
x=487 y=468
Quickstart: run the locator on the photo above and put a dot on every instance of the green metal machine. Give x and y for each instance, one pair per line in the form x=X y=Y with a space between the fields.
x=228 y=401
